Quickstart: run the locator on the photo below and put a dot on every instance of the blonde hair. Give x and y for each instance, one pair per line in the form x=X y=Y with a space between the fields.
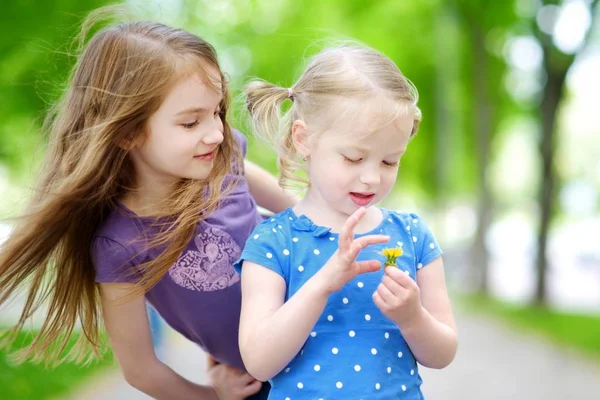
x=350 y=73
x=120 y=79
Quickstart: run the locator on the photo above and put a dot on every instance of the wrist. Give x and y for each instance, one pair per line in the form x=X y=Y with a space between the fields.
x=413 y=322
x=320 y=284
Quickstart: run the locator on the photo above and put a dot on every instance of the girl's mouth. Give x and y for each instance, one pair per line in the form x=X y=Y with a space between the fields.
x=206 y=156
x=361 y=199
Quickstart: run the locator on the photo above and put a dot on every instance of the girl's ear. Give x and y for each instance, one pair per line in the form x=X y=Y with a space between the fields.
x=130 y=143
x=300 y=138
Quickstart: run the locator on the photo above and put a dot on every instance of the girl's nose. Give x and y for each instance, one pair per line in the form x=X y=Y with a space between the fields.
x=370 y=176
x=214 y=137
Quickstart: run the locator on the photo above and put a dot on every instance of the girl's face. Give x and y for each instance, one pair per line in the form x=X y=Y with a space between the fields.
x=183 y=135
x=346 y=174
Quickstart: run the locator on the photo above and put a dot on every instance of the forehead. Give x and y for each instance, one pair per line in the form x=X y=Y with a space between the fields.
x=194 y=90
x=371 y=132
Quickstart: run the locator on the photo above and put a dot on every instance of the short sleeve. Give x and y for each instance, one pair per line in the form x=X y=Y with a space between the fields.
x=113 y=262
x=426 y=246
x=266 y=246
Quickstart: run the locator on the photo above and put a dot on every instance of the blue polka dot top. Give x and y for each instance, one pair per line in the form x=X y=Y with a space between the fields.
x=353 y=351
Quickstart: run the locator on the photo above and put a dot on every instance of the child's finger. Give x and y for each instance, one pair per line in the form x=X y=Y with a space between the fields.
x=386 y=294
x=365 y=241
x=358 y=244
x=394 y=287
x=247 y=379
x=357 y=215
x=400 y=277
x=251 y=389
x=378 y=301
x=347 y=233
x=368 y=266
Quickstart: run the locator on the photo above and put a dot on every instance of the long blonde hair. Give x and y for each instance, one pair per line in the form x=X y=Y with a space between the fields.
x=120 y=79
x=340 y=82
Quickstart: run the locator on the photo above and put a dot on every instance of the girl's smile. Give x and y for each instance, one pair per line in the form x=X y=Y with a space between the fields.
x=206 y=156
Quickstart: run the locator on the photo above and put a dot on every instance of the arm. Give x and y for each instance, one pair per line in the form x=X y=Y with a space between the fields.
x=433 y=337
x=267 y=323
x=127 y=326
x=423 y=313
x=265 y=189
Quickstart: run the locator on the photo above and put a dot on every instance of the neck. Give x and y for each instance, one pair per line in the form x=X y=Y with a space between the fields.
x=145 y=198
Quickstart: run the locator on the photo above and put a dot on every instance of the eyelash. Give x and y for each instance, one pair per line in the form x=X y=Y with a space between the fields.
x=387 y=164
x=192 y=125
x=351 y=161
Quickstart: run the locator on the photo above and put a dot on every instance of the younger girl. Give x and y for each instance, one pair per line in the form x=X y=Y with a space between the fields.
x=143 y=197
x=320 y=317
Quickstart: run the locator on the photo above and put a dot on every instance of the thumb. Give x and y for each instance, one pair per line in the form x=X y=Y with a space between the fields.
x=368 y=266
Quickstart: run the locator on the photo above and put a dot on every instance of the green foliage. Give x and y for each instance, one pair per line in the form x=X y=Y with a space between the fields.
x=29 y=381
x=35 y=38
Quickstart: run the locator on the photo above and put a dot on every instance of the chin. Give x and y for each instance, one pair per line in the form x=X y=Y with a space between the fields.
x=196 y=177
x=348 y=210
x=200 y=175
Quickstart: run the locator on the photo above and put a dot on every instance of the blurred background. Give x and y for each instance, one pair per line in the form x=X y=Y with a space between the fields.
x=505 y=168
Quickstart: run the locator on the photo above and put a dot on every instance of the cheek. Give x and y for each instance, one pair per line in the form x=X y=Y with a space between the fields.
x=172 y=145
x=388 y=178
x=341 y=177
x=328 y=173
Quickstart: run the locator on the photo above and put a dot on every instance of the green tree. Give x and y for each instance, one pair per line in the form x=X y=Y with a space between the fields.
x=489 y=105
x=34 y=62
x=556 y=65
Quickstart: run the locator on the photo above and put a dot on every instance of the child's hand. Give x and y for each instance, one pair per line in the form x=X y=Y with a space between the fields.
x=230 y=383
x=342 y=266
x=398 y=297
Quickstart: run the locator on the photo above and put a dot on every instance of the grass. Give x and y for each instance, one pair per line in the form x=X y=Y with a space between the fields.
x=36 y=382
x=581 y=332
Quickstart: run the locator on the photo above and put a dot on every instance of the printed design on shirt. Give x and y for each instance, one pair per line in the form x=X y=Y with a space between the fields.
x=210 y=267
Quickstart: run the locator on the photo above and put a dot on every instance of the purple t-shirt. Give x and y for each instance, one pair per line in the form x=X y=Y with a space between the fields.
x=200 y=296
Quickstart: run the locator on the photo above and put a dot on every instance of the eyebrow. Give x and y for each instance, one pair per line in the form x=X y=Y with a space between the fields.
x=365 y=150
x=192 y=110
x=195 y=110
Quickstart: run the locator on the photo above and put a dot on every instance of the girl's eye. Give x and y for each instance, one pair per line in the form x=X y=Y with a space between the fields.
x=390 y=164
x=190 y=125
x=352 y=161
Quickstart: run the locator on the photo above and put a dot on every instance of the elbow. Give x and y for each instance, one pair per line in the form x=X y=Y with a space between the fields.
x=258 y=373
x=143 y=379
x=440 y=363
x=445 y=358
x=255 y=364
x=259 y=370
x=138 y=380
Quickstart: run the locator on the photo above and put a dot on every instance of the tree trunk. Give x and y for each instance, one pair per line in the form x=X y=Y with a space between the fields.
x=483 y=128
x=556 y=66
x=549 y=106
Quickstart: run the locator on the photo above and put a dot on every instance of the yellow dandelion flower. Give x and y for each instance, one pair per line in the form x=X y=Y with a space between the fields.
x=391 y=254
